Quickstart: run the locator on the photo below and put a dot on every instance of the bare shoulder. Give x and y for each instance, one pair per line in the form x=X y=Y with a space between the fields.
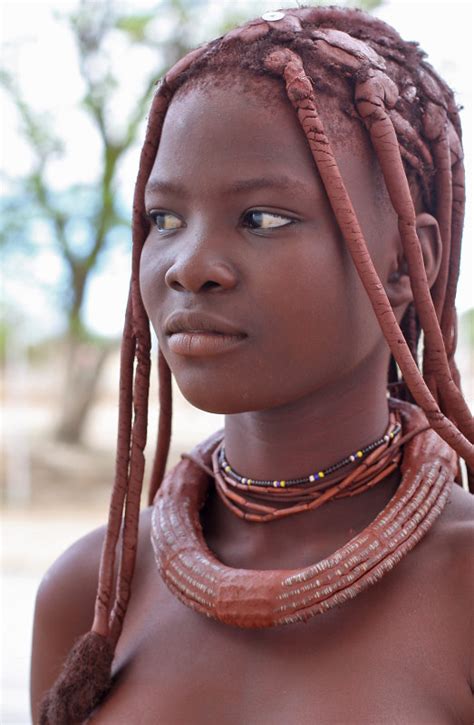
x=450 y=552
x=456 y=523
x=454 y=552
x=64 y=606
x=453 y=536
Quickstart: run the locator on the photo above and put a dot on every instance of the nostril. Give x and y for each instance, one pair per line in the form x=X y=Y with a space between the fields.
x=176 y=286
x=210 y=284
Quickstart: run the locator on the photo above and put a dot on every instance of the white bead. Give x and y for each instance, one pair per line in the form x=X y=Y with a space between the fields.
x=273 y=15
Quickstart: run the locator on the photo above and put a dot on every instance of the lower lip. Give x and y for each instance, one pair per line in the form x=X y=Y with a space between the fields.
x=197 y=344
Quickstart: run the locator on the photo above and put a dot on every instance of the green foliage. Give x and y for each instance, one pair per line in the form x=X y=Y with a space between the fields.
x=135 y=26
x=466 y=324
x=5 y=332
x=367 y=5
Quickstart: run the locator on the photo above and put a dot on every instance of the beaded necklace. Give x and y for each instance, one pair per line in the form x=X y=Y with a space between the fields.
x=264 y=501
x=267 y=598
x=227 y=469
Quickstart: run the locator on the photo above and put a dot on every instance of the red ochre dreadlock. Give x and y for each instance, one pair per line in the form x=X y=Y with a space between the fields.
x=413 y=124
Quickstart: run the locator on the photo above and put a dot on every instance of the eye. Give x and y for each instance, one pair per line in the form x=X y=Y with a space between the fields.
x=164 y=221
x=264 y=220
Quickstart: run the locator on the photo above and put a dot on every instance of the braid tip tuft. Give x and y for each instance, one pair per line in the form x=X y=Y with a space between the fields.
x=83 y=682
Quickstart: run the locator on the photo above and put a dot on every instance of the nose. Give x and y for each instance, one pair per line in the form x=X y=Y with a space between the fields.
x=201 y=267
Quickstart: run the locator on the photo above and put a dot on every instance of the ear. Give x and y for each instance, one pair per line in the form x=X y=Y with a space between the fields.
x=398 y=285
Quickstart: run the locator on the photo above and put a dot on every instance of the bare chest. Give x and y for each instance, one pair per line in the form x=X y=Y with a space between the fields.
x=386 y=657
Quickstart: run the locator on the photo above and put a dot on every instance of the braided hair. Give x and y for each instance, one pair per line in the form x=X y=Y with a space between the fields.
x=413 y=124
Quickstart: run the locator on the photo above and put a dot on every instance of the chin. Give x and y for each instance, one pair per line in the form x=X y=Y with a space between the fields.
x=229 y=401
x=223 y=403
x=223 y=399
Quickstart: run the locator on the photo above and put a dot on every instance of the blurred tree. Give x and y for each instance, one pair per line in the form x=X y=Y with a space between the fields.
x=83 y=219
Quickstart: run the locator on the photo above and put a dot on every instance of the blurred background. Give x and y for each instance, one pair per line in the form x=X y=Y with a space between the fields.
x=76 y=78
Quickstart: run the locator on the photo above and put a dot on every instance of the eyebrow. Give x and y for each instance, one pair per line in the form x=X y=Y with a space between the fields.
x=155 y=185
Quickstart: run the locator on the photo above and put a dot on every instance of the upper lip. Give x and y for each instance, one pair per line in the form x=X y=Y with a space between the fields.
x=192 y=321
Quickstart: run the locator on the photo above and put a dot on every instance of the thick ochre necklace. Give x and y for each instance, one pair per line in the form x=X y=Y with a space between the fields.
x=267 y=598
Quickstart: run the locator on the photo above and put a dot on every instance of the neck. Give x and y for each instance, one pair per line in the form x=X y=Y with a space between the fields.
x=293 y=440
x=290 y=442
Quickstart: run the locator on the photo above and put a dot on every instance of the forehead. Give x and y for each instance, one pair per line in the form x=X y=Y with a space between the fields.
x=253 y=98
x=230 y=129
x=215 y=133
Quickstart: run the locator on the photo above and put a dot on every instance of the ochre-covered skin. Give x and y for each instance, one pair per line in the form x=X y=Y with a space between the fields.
x=369 y=138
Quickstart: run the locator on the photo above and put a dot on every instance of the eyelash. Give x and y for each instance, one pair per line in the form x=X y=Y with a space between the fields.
x=152 y=216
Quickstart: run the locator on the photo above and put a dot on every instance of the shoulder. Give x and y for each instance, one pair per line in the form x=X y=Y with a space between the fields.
x=451 y=540
x=455 y=549
x=74 y=569
x=451 y=556
x=440 y=568
x=456 y=523
x=64 y=606
x=71 y=581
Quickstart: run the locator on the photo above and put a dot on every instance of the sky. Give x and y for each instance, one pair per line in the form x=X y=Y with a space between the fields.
x=39 y=49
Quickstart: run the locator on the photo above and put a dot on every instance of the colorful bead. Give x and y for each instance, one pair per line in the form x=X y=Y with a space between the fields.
x=386 y=438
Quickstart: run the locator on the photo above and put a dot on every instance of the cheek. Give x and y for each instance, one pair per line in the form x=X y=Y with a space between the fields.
x=319 y=320
x=152 y=271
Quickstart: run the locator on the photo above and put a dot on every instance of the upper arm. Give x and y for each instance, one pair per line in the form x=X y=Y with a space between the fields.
x=64 y=611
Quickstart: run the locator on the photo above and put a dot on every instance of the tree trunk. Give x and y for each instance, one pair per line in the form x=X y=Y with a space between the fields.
x=84 y=366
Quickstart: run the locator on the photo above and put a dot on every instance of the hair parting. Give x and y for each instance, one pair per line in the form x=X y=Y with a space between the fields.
x=413 y=124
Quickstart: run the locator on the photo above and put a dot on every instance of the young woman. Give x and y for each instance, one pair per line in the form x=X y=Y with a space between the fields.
x=297 y=224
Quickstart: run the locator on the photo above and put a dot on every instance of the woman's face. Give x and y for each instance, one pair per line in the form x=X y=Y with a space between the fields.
x=241 y=230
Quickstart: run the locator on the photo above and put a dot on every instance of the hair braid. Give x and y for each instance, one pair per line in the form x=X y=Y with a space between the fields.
x=301 y=95
x=411 y=104
x=371 y=96
x=164 y=427
x=85 y=677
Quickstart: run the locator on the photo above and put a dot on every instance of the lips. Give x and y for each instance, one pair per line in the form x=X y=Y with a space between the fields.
x=197 y=322
x=195 y=334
